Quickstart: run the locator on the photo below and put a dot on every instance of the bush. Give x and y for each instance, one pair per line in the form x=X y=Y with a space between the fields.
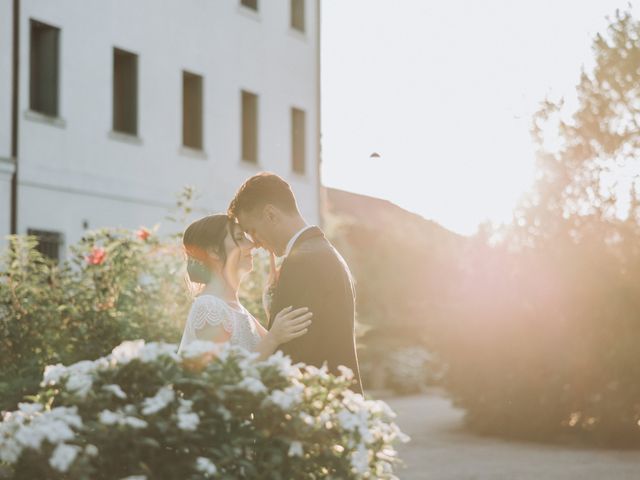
x=546 y=344
x=116 y=284
x=409 y=369
x=213 y=412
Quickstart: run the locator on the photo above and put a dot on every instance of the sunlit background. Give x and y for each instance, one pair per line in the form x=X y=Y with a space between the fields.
x=444 y=92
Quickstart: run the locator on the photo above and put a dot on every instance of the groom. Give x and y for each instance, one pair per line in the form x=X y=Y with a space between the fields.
x=313 y=274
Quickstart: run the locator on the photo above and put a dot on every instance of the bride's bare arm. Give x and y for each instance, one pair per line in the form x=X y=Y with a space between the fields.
x=213 y=333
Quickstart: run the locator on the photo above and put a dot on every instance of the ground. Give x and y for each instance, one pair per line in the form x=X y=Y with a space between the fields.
x=440 y=449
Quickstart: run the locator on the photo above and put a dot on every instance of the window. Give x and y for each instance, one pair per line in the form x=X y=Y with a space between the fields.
x=125 y=92
x=49 y=243
x=44 y=59
x=252 y=4
x=249 y=127
x=192 y=110
x=298 y=140
x=297 y=15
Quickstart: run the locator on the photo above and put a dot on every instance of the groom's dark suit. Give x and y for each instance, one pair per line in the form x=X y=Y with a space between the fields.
x=314 y=275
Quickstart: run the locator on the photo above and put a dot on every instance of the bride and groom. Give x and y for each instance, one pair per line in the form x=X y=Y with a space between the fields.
x=309 y=300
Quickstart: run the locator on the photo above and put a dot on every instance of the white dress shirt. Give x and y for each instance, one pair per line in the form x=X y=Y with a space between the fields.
x=294 y=238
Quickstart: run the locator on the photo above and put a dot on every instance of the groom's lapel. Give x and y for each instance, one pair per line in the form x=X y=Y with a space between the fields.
x=313 y=232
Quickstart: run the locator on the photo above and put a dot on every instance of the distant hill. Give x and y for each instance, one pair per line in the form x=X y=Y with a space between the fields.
x=378 y=214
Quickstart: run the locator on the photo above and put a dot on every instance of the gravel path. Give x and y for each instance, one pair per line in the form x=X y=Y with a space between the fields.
x=441 y=450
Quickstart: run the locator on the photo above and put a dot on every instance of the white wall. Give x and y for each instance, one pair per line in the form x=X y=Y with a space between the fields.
x=113 y=182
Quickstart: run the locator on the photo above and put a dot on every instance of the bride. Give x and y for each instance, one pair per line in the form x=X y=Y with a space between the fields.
x=219 y=255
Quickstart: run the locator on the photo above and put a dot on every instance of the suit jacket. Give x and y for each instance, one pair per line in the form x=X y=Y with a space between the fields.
x=314 y=275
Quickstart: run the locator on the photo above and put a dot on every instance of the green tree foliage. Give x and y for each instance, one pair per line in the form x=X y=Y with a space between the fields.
x=546 y=339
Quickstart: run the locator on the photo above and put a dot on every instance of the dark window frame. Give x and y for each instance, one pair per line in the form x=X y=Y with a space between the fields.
x=125 y=92
x=49 y=242
x=44 y=67
x=297 y=17
x=249 y=126
x=250 y=4
x=298 y=141
x=192 y=110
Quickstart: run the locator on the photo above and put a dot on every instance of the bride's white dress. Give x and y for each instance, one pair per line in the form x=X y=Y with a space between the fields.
x=213 y=311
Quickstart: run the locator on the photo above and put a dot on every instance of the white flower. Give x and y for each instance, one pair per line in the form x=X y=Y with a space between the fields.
x=107 y=417
x=226 y=414
x=52 y=426
x=127 y=351
x=308 y=419
x=9 y=450
x=84 y=366
x=295 y=449
x=159 y=401
x=152 y=351
x=29 y=409
x=53 y=374
x=345 y=372
x=283 y=364
x=356 y=421
x=135 y=477
x=63 y=456
x=68 y=415
x=360 y=460
x=91 y=450
x=252 y=385
x=198 y=348
x=322 y=373
x=206 y=466
x=134 y=422
x=58 y=431
x=79 y=383
x=30 y=437
x=29 y=426
x=188 y=421
x=116 y=390
x=287 y=398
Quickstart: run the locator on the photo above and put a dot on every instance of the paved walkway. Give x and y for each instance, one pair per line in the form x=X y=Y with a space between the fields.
x=441 y=450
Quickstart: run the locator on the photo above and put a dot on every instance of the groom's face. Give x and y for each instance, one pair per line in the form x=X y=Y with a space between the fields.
x=258 y=229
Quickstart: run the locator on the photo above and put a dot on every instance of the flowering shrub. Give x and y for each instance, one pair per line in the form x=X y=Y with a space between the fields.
x=115 y=284
x=410 y=368
x=214 y=412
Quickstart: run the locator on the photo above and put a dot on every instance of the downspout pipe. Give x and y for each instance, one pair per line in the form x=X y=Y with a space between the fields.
x=15 y=90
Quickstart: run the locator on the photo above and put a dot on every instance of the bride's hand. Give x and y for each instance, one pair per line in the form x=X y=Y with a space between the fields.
x=290 y=324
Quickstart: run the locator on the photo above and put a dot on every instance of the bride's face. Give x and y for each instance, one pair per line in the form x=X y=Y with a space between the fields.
x=239 y=254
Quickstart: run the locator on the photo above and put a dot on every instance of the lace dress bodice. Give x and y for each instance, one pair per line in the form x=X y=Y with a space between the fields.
x=213 y=311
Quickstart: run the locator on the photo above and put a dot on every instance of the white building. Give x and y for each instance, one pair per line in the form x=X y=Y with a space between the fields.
x=121 y=104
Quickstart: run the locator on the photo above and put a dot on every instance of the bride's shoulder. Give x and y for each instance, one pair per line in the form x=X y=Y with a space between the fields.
x=209 y=309
x=206 y=301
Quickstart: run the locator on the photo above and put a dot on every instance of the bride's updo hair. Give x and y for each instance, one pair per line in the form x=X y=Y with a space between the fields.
x=203 y=235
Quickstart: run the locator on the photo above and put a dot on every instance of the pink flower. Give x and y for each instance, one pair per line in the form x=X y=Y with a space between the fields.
x=143 y=234
x=97 y=256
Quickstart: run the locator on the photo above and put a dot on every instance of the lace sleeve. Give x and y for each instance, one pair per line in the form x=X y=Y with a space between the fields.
x=210 y=311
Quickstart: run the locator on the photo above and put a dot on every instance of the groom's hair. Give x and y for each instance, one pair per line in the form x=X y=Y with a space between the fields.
x=260 y=190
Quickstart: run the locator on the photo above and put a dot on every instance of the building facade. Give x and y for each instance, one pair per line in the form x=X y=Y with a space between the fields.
x=121 y=104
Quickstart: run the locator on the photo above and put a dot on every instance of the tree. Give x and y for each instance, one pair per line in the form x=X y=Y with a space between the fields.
x=588 y=163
